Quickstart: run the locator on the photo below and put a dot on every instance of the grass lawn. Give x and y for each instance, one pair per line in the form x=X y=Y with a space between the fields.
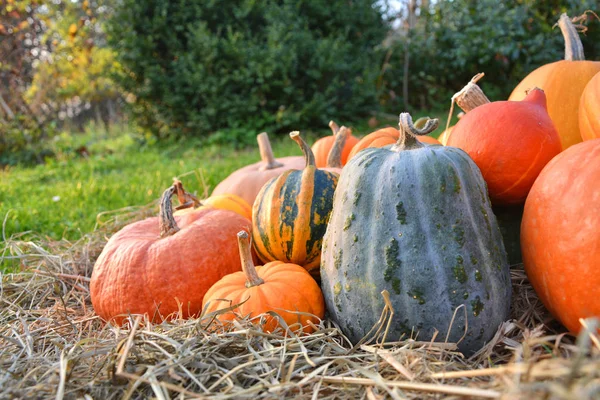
x=62 y=198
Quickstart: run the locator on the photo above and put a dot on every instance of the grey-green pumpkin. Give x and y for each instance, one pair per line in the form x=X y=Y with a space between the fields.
x=415 y=220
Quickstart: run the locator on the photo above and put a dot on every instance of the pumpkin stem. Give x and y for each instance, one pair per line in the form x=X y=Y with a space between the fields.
x=409 y=132
x=252 y=278
x=334 y=159
x=334 y=127
x=573 y=46
x=266 y=153
x=309 y=156
x=468 y=98
x=166 y=222
x=186 y=200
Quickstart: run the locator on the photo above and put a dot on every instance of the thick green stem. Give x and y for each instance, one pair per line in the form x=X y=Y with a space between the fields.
x=252 y=278
x=408 y=132
x=309 y=157
x=573 y=46
x=334 y=159
x=266 y=153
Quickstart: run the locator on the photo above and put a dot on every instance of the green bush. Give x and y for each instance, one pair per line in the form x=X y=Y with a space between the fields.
x=196 y=67
x=24 y=141
x=504 y=39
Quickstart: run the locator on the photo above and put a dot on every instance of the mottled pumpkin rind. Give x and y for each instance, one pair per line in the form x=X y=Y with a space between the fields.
x=290 y=216
x=419 y=224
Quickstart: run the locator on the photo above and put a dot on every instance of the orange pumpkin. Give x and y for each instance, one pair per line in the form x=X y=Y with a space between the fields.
x=165 y=264
x=560 y=234
x=563 y=82
x=589 y=110
x=334 y=160
x=510 y=141
x=287 y=289
x=322 y=147
x=443 y=138
x=246 y=182
x=388 y=136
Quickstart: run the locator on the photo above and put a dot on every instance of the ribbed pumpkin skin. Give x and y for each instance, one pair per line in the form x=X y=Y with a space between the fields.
x=290 y=216
x=419 y=224
x=589 y=110
x=322 y=147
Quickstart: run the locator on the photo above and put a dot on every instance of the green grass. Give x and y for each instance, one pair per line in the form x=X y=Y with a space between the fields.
x=62 y=198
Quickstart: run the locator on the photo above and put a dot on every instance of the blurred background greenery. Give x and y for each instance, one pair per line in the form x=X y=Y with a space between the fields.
x=230 y=69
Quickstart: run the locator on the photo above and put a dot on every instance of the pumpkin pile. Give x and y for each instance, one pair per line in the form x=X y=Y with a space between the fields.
x=433 y=225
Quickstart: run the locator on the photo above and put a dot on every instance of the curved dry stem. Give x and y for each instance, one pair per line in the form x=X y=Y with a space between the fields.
x=573 y=45
x=334 y=159
x=266 y=153
x=471 y=96
x=309 y=156
x=166 y=221
x=334 y=127
x=252 y=278
x=409 y=132
x=186 y=200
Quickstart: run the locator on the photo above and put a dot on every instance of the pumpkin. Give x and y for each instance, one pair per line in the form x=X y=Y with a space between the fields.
x=510 y=141
x=165 y=264
x=287 y=289
x=563 y=82
x=589 y=110
x=322 y=147
x=560 y=234
x=415 y=220
x=291 y=212
x=246 y=182
x=386 y=136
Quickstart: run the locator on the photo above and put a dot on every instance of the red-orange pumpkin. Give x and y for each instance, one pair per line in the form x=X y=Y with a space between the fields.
x=246 y=182
x=560 y=234
x=563 y=82
x=287 y=289
x=510 y=141
x=322 y=147
x=589 y=110
x=161 y=266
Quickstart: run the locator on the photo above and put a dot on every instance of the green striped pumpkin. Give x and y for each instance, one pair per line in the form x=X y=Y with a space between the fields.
x=291 y=211
x=415 y=220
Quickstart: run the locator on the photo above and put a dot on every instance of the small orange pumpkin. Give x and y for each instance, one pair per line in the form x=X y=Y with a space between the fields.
x=163 y=265
x=589 y=110
x=246 y=182
x=287 y=289
x=322 y=147
x=334 y=160
x=563 y=82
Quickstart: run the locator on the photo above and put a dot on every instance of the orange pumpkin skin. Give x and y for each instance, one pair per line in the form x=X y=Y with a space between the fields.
x=385 y=137
x=589 y=110
x=230 y=202
x=560 y=234
x=286 y=287
x=322 y=147
x=511 y=142
x=138 y=272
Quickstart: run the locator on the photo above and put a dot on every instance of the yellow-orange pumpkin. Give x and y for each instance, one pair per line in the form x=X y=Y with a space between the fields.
x=563 y=82
x=589 y=110
x=287 y=289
